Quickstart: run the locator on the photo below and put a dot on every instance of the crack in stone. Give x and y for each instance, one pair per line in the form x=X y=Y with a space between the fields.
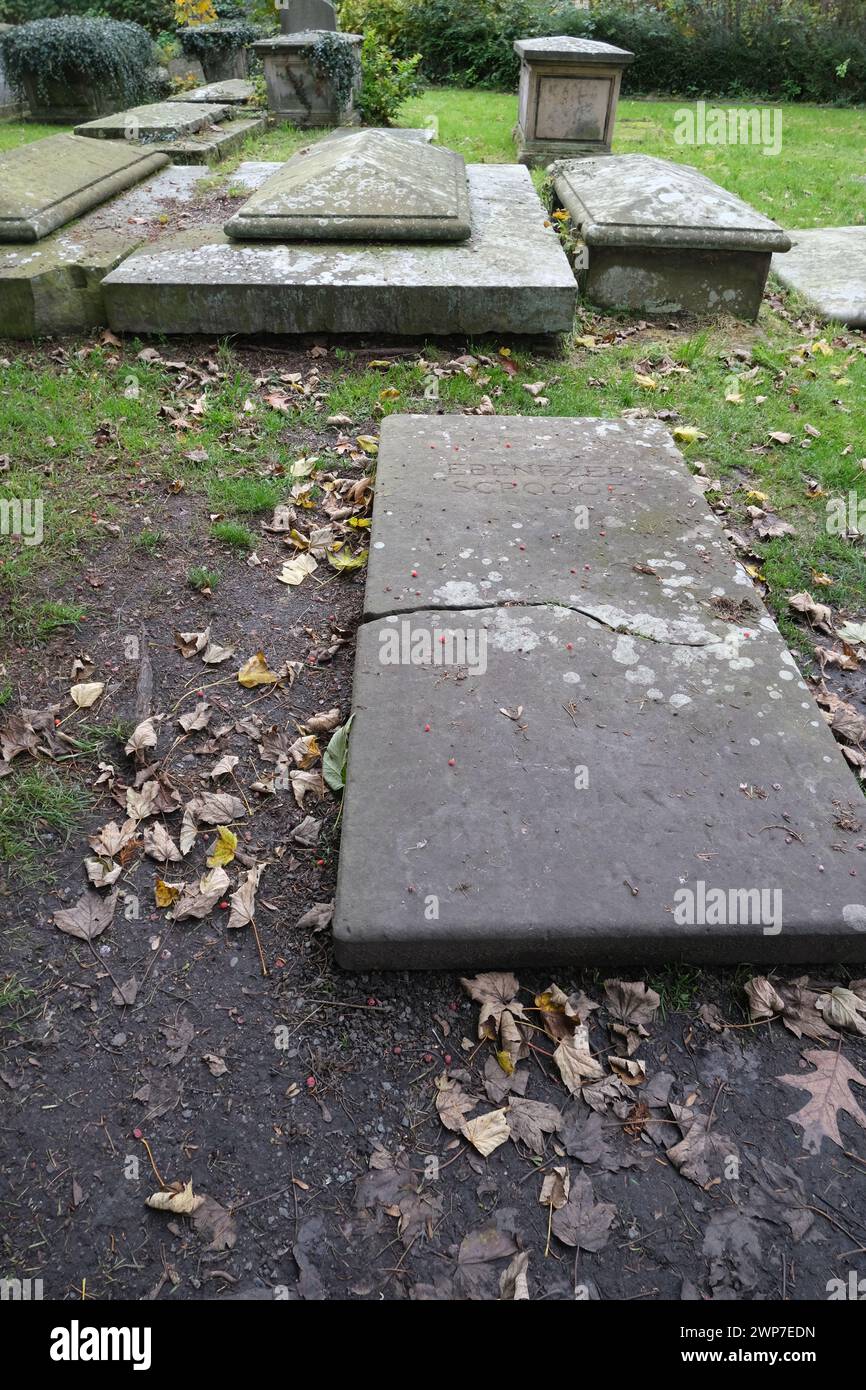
x=621 y=629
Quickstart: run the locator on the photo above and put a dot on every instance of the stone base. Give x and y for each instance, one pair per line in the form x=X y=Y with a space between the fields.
x=676 y=281
x=827 y=265
x=634 y=772
x=510 y=277
x=538 y=154
x=55 y=285
x=210 y=146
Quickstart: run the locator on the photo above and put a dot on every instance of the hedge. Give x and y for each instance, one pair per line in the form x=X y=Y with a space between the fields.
x=794 y=52
x=107 y=53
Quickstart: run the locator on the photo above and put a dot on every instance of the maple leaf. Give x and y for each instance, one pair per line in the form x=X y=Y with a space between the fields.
x=828 y=1087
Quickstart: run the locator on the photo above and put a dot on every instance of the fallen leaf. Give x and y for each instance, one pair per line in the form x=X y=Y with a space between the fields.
x=256 y=672
x=583 y=1223
x=223 y=847
x=89 y=917
x=487 y=1132
x=178 y=1199
x=87 y=693
x=243 y=899
x=829 y=1090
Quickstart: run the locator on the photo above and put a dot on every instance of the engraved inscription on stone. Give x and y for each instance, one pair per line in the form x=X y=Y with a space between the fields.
x=571 y=108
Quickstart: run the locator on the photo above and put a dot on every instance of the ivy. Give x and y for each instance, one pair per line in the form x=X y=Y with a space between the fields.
x=333 y=61
x=216 y=40
x=109 y=53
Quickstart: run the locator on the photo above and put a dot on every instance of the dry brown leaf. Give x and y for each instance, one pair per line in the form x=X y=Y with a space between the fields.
x=829 y=1087
x=89 y=917
x=487 y=1132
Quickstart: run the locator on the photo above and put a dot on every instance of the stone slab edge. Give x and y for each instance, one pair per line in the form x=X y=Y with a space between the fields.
x=48 y=219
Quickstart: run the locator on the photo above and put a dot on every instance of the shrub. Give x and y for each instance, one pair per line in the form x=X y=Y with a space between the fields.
x=217 y=40
x=108 y=53
x=333 y=60
x=152 y=15
x=386 y=81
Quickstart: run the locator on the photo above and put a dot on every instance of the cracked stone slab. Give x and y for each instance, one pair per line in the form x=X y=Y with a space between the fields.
x=158 y=120
x=45 y=184
x=599 y=515
x=511 y=276
x=371 y=185
x=827 y=265
x=662 y=237
x=543 y=770
x=550 y=792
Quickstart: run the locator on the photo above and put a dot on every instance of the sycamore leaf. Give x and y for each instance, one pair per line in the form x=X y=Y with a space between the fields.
x=495 y=991
x=166 y=893
x=111 y=839
x=191 y=642
x=488 y=1131
x=344 y=560
x=844 y=1009
x=583 y=1223
x=87 y=693
x=453 y=1103
x=159 y=844
x=102 y=872
x=212 y=808
x=688 y=434
x=223 y=847
x=530 y=1120
x=178 y=1199
x=256 y=671
x=829 y=1087
x=197 y=718
x=89 y=917
x=143 y=736
x=323 y=723
x=243 y=899
x=555 y=1188
x=223 y=767
x=216 y=654
x=296 y=571
x=198 y=899
x=576 y=1065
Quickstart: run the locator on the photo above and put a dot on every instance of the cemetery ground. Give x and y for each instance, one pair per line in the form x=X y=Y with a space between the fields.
x=320 y=1112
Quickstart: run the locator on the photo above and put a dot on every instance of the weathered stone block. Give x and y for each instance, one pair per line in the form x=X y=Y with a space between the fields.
x=213 y=144
x=567 y=97
x=301 y=16
x=635 y=771
x=370 y=186
x=827 y=265
x=659 y=237
x=46 y=183
x=296 y=93
x=234 y=91
x=511 y=276
x=158 y=120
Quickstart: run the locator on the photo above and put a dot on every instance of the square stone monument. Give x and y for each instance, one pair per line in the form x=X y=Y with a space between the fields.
x=296 y=92
x=567 y=97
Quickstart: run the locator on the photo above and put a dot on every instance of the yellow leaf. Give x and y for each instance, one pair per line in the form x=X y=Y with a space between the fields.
x=166 y=893
x=822 y=347
x=389 y=394
x=223 y=849
x=368 y=443
x=256 y=672
x=825 y=580
x=87 y=693
x=759 y=497
x=647 y=383
x=505 y=1062
x=688 y=434
x=587 y=341
x=296 y=571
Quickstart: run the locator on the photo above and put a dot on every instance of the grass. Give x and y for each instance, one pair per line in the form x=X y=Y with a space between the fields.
x=233 y=534
x=201 y=578
x=33 y=803
x=79 y=411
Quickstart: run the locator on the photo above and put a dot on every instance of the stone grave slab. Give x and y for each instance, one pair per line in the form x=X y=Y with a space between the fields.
x=158 y=120
x=231 y=91
x=542 y=782
x=55 y=285
x=371 y=185
x=597 y=514
x=827 y=265
x=47 y=183
x=661 y=237
x=511 y=276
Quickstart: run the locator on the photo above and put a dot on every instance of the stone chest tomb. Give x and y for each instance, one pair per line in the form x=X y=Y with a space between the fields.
x=657 y=237
x=567 y=99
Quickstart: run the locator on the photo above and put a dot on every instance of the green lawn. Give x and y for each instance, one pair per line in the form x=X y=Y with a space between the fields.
x=51 y=410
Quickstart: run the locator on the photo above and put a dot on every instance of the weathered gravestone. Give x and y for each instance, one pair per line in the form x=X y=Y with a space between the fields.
x=299 y=91
x=370 y=186
x=299 y=16
x=158 y=120
x=659 y=237
x=233 y=91
x=45 y=184
x=578 y=734
x=511 y=276
x=827 y=265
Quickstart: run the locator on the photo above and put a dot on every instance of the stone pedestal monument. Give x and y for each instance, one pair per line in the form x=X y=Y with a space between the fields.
x=296 y=92
x=569 y=89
